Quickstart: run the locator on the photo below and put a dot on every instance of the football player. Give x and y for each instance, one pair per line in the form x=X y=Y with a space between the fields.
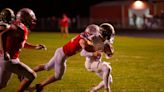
x=58 y=61
x=14 y=39
x=93 y=63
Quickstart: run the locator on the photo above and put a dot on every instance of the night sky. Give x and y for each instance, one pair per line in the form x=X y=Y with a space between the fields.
x=46 y=8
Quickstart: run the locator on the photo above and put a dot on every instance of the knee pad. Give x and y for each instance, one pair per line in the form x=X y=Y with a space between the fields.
x=98 y=66
x=107 y=65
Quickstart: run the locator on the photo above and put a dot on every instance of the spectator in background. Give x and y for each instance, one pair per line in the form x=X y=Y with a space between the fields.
x=64 y=25
x=134 y=19
x=53 y=22
x=161 y=16
x=74 y=24
x=148 y=21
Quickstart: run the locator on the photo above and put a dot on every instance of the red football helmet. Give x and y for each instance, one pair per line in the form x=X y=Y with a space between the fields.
x=27 y=17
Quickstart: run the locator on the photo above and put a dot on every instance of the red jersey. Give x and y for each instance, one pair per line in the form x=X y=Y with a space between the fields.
x=73 y=46
x=64 y=22
x=16 y=37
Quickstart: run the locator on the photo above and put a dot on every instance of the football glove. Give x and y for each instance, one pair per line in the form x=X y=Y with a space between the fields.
x=41 y=46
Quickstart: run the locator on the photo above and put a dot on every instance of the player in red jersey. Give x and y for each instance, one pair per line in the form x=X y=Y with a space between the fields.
x=58 y=61
x=14 y=39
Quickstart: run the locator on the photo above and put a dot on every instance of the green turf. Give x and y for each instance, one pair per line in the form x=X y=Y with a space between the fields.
x=138 y=65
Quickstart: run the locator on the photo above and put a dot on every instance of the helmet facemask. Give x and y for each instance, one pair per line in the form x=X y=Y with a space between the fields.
x=107 y=32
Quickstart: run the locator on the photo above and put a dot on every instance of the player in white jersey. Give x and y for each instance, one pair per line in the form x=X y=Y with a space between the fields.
x=93 y=61
x=103 y=69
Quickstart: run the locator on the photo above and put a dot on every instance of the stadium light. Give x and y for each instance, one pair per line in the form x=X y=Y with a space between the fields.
x=138 y=5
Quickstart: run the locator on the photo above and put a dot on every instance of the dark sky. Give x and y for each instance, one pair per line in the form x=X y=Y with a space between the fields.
x=45 y=8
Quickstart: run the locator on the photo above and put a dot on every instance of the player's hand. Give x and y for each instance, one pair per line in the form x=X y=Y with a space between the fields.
x=41 y=47
x=96 y=53
x=108 y=50
x=6 y=56
x=89 y=43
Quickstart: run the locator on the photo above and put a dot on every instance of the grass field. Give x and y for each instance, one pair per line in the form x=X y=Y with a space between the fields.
x=138 y=65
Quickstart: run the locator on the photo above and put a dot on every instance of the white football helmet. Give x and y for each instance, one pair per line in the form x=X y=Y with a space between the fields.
x=93 y=33
x=92 y=29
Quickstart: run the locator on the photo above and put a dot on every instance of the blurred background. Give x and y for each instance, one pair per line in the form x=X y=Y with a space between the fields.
x=125 y=15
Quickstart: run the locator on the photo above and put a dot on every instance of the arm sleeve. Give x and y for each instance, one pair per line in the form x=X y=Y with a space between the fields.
x=30 y=46
x=86 y=53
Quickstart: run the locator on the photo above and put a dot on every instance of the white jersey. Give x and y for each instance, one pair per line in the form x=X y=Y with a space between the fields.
x=102 y=69
x=91 y=62
x=89 y=56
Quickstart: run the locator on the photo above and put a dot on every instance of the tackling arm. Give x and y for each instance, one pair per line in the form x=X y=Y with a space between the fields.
x=38 y=47
x=89 y=54
x=86 y=53
x=87 y=46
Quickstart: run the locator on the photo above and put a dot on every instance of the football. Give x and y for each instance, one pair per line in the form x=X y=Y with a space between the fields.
x=108 y=49
x=99 y=47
